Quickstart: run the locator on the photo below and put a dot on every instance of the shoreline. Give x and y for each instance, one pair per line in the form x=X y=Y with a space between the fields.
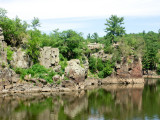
x=151 y=76
x=70 y=86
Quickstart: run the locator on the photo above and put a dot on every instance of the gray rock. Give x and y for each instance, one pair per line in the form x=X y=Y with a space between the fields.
x=57 y=68
x=20 y=59
x=56 y=77
x=49 y=57
x=3 y=52
x=69 y=84
x=7 y=76
x=93 y=46
x=74 y=71
x=102 y=55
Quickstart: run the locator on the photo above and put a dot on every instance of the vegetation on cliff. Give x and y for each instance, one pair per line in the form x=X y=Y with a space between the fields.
x=73 y=45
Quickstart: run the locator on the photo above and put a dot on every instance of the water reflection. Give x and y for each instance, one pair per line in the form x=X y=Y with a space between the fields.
x=116 y=102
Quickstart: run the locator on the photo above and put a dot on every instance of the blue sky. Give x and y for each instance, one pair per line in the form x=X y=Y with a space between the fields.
x=87 y=16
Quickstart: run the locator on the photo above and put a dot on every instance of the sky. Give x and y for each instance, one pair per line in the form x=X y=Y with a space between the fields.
x=86 y=16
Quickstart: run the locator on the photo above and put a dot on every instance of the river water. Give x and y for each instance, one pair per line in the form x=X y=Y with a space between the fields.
x=112 y=102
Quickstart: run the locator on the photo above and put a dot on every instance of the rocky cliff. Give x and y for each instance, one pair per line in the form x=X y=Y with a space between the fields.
x=20 y=59
x=3 y=45
x=130 y=67
x=49 y=57
x=7 y=75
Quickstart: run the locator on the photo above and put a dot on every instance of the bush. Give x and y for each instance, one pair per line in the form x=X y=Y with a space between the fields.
x=158 y=69
x=36 y=71
x=101 y=74
x=9 y=53
x=100 y=64
x=92 y=64
x=63 y=63
x=107 y=69
x=14 y=30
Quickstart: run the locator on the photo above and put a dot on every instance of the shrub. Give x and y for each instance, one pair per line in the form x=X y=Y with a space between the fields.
x=36 y=71
x=101 y=74
x=92 y=64
x=158 y=69
x=100 y=64
x=9 y=53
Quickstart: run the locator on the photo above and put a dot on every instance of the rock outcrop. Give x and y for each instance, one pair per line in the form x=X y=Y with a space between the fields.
x=49 y=57
x=86 y=66
x=7 y=75
x=74 y=71
x=130 y=67
x=93 y=46
x=20 y=59
x=101 y=54
x=3 y=52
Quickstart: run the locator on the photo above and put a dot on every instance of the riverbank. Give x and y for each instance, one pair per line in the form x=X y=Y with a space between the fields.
x=68 y=85
x=152 y=76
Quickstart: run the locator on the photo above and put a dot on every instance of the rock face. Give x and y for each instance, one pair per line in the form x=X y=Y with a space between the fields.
x=86 y=67
x=93 y=46
x=3 y=53
x=130 y=67
x=49 y=57
x=20 y=59
x=7 y=77
x=74 y=71
x=102 y=55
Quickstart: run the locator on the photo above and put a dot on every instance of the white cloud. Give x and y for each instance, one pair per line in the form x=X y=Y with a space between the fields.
x=45 y=9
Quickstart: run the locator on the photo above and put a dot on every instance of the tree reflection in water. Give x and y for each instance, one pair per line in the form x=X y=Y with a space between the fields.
x=108 y=102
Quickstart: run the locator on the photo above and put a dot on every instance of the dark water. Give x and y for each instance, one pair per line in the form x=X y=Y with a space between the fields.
x=114 y=102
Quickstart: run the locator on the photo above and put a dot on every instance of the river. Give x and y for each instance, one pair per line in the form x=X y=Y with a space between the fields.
x=109 y=102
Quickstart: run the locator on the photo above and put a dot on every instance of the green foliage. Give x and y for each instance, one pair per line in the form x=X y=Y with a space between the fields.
x=63 y=63
x=103 y=69
x=33 y=45
x=107 y=70
x=114 y=27
x=92 y=64
x=36 y=71
x=14 y=30
x=150 y=57
x=9 y=53
x=70 y=43
x=3 y=13
x=158 y=69
x=35 y=23
x=100 y=64
x=93 y=38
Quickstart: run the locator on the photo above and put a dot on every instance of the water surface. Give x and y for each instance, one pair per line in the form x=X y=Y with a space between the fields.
x=113 y=102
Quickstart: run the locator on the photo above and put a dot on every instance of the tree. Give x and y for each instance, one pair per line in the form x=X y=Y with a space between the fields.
x=3 y=13
x=33 y=45
x=35 y=23
x=95 y=37
x=13 y=29
x=114 y=27
x=70 y=44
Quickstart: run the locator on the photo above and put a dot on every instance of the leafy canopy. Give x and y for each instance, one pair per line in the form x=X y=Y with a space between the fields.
x=114 y=27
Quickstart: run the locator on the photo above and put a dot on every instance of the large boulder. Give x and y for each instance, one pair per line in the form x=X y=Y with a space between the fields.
x=7 y=77
x=20 y=59
x=74 y=71
x=49 y=57
x=86 y=67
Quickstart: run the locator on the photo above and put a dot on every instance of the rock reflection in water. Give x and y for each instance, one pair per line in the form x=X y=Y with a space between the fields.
x=108 y=102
